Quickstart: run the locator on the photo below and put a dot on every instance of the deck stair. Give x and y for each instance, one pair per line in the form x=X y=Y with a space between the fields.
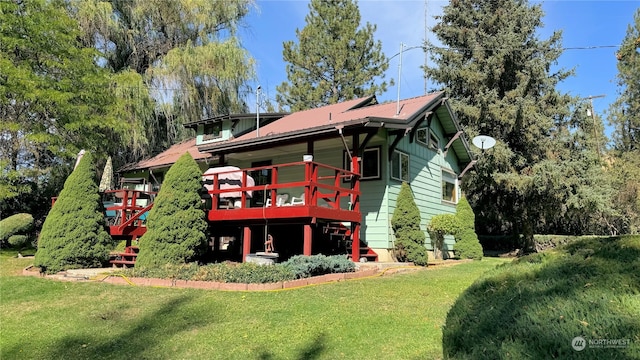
x=342 y=231
x=126 y=258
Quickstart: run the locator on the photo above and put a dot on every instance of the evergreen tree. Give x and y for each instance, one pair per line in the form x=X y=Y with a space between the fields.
x=467 y=245
x=73 y=235
x=497 y=73
x=333 y=60
x=625 y=112
x=176 y=225
x=410 y=239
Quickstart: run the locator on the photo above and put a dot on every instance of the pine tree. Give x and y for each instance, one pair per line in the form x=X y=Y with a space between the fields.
x=333 y=60
x=497 y=73
x=176 y=225
x=467 y=245
x=73 y=235
x=405 y=222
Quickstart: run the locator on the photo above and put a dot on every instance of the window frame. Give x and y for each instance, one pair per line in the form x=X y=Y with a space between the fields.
x=432 y=136
x=426 y=142
x=456 y=186
x=346 y=164
x=408 y=169
x=212 y=136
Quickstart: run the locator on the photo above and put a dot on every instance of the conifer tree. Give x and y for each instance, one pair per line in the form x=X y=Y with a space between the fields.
x=73 y=234
x=176 y=225
x=498 y=74
x=410 y=239
x=333 y=60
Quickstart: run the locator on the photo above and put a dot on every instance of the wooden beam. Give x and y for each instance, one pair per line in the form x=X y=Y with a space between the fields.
x=399 y=135
x=246 y=243
x=366 y=140
x=355 y=242
x=469 y=166
x=308 y=235
x=453 y=138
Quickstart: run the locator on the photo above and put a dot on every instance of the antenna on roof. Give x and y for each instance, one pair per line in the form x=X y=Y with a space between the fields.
x=258 y=110
x=399 y=79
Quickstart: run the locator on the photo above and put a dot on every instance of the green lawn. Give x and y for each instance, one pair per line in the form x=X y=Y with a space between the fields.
x=392 y=317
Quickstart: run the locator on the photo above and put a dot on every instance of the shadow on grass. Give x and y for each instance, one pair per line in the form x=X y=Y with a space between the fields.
x=312 y=350
x=147 y=332
x=534 y=307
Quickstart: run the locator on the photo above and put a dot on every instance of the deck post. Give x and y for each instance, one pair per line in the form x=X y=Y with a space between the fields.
x=306 y=248
x=246 y=243
x=355 y=243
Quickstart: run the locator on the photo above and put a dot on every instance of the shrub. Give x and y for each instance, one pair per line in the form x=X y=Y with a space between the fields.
x=176 y=225
x=465 y=216
x=18 y=224
x=467 y=245
x=410 y=239
x=18 y=241
x=439 y=226
x=73 y=234
x=306 y=266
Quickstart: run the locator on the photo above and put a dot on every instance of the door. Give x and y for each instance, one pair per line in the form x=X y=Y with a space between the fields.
x=260 y=177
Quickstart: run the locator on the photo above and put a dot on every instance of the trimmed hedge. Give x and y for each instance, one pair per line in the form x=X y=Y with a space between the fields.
x=467 y=245
x=18 y=224
x=176 y=227
x=73 y=234
x=306 y=266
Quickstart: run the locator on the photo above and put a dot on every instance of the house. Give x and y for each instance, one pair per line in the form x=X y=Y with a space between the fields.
x=325 y=179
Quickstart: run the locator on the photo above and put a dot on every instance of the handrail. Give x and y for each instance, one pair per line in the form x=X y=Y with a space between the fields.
x=312 y=182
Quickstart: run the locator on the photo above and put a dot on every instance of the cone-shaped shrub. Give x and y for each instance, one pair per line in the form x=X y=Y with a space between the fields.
x=467 y=245
x=409 y=245
x=73 y=234
x=176 y=225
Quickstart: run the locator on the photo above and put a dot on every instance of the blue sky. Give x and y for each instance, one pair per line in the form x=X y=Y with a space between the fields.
x=583 y=23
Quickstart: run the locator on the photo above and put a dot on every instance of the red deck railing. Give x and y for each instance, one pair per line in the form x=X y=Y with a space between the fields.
x=129 y=210
x=324 y=187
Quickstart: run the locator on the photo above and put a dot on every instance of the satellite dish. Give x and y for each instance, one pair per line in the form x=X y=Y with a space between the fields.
x=484 y=142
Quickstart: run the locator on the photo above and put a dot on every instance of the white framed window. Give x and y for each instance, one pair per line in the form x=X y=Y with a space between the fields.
x=369 y=163
x=400 y=166
x=426 y=137
x=449 y=187
x=434 y=141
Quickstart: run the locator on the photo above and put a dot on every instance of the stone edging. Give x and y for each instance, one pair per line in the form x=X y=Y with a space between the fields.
x=212 y=285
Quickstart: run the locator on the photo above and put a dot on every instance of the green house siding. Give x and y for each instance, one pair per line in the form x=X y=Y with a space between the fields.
x=425 y=179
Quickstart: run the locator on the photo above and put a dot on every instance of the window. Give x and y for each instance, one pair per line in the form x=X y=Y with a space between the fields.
x=400 y=166
x=428 y=138
x=449 y=187
x=212 y=131
x=369 y=164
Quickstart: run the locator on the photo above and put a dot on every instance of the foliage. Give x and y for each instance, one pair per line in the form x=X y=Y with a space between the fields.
x=535 y=306
x=545 y=172
x=18 y=224
x=192 y=51
x=306 y=266
x=624 y=115
x=333 y=60
x=176 y=226
x=54 y=101
x=464 y=214
x=467 y=245
x=410 y=239
x=625 y=112
x=73 y=234
x=439 y=226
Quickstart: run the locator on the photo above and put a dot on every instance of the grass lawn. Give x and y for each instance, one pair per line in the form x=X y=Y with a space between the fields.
x=393 y=317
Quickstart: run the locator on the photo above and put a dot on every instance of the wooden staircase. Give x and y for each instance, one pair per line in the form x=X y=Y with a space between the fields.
x=126 y=258
x=342 y=231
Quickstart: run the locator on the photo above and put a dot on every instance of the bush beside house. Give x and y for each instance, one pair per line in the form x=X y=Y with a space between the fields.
x=73 y=234
x=176 y=227
x=462 y=227
x=410 y=239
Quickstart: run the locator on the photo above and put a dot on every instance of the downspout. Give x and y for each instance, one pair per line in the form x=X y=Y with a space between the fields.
x=344 y=142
